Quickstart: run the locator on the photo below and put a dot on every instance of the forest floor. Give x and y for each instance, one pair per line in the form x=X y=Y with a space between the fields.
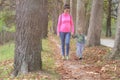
x=93 y=66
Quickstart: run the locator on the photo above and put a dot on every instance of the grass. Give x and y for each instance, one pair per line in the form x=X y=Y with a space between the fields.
x=48 y=69
x=6 y=51
x=48 y=59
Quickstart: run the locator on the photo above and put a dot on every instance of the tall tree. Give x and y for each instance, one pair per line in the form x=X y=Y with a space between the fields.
x=73 y=5
x=87 y=14
x=94 y=31
x=66 y=1
x=108 y=27
x=27 y=42
x=116 y=50
x=80 y=16
x=54 y=13
x=115 y=4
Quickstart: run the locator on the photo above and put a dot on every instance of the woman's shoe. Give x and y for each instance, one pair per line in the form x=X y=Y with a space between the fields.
x=67 y=57
x=63 y=57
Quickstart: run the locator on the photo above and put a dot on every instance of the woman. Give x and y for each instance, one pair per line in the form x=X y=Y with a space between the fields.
x=65 y=28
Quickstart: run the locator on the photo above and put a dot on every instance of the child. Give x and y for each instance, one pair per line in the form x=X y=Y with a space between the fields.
x=80 y=43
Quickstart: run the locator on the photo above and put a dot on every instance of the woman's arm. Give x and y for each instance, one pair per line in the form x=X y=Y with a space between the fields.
x=72 y=24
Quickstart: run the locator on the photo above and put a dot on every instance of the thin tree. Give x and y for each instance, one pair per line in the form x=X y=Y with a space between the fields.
x=27 y=42
x=80 y=16
x=73 y=5
x=94 y=31
x=54 y=15
x=66 y=1
x=116 y=50
x=87 y=15
x=108 y=27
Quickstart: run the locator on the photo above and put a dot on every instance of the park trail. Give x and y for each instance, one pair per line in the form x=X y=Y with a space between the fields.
x=73 y=69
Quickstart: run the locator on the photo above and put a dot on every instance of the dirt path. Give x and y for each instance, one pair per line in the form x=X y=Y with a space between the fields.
x=73 y=69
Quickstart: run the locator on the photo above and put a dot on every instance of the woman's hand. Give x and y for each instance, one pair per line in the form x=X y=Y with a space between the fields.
x=58 y=34
x=72 y=33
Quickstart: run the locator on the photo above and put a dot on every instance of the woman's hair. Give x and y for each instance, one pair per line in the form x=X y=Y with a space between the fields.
x=66 y=6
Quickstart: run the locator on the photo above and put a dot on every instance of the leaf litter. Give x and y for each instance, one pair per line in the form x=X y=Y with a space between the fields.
x=93 y=66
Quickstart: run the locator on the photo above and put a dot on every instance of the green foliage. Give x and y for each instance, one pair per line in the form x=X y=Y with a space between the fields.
x=5 y=21
x=104 y=23
x=104 y=26
x=11 y=29
x=105 y=7
x=50 y=24
x=88 y=4
x=2 y=23
x=113 y=27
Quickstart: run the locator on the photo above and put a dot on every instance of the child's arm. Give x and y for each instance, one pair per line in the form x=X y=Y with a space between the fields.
x=74 y=36
x=83 y=39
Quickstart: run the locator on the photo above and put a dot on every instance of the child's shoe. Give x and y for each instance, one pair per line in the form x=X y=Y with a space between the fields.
x=80 y=58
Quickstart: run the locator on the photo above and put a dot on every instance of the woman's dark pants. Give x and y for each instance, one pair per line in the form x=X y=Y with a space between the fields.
x=65 y=40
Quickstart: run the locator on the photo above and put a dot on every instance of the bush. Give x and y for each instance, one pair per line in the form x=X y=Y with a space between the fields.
x=7 y=26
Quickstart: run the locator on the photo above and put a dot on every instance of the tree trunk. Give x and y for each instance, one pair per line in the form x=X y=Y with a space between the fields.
x=54 y=10
x=115 y=4
x=108 y=27
x=73 y=4
x=27 y=44
x=116 y=50
x=94 y=31
x=66 y=1
x=80 y=18
x=87 y=14
x=55 y=15
x=45 y=19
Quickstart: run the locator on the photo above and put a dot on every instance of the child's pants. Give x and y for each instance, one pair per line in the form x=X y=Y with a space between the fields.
x=80 y=48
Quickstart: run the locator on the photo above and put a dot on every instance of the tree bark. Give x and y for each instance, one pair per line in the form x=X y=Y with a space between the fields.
x=66 y=2
x=73 y=5
x=116 y=50
x=108 y=27
x=27 y=42
x=55 y=7
x=94 y=31
x=87 y=14
x=55 y=15
x=80 y=18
